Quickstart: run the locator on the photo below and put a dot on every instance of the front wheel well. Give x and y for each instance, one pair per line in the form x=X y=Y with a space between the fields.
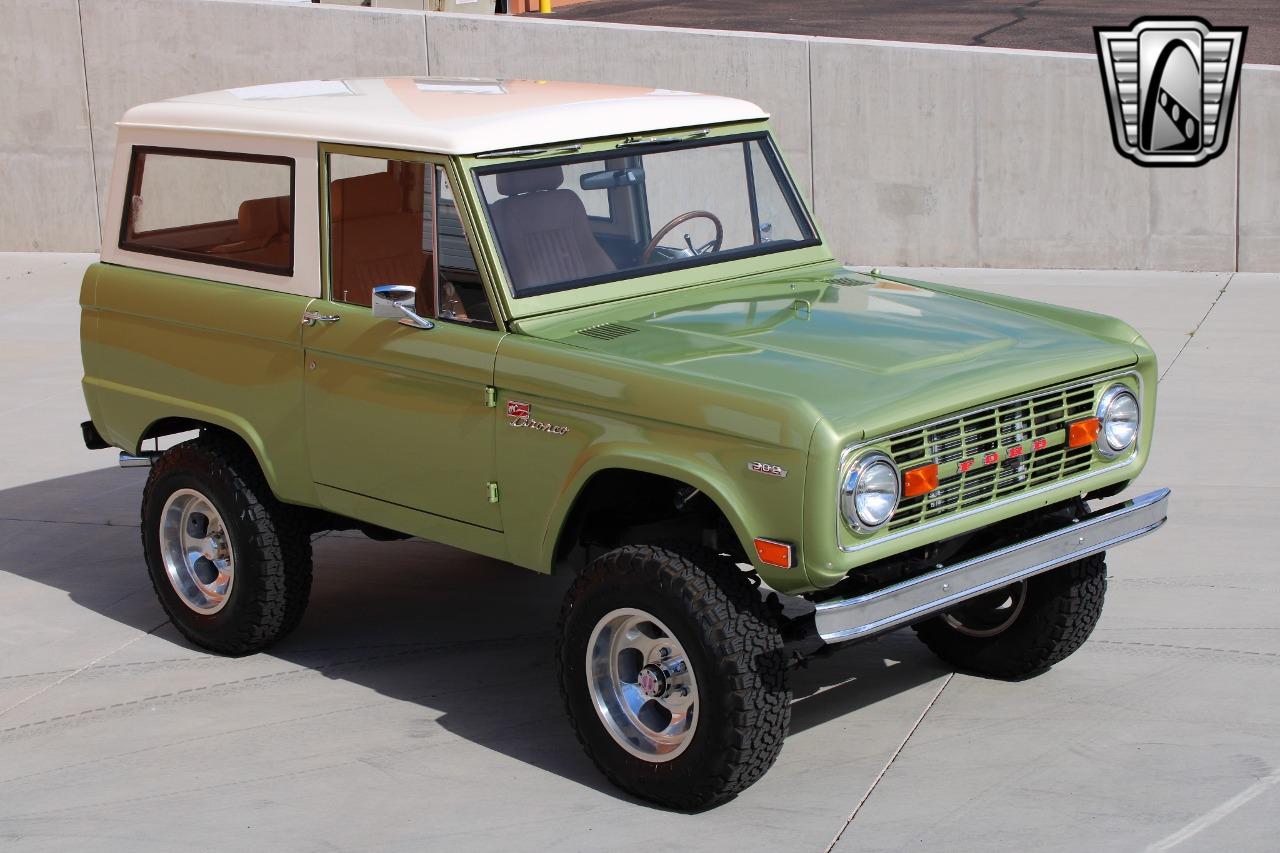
x=620 y=506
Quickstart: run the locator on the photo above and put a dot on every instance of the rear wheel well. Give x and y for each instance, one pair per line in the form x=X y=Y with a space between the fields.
x=620 y=506
x=315 y=520
x=174 y=426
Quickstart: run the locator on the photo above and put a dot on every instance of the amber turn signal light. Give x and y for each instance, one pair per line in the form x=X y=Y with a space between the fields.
x=774 y=553
x=1083 y=432
x=919 y=481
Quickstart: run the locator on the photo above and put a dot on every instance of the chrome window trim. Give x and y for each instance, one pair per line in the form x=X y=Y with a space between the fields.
x=852 y=449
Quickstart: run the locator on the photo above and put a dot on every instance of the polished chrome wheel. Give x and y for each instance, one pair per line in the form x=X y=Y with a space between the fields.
x=196 y=549
x=990 y=614
x=642 y=685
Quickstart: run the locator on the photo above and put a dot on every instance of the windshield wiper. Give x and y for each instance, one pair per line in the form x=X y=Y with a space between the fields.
x=663 y=140
x=529 y=152
x=569 y=149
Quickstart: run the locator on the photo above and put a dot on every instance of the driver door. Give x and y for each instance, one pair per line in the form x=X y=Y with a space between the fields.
x=399 y=414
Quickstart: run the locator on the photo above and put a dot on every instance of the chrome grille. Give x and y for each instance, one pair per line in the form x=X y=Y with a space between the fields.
x=989 y=429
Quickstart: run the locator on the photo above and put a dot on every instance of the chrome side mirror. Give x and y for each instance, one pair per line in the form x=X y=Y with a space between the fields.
x=395 y=302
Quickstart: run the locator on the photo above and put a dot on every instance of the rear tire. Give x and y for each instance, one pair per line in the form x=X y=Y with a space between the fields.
x=230 y=563
x=703 y=676
x=1043 y=621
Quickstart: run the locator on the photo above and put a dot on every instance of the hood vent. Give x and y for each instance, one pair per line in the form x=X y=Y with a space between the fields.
x=606 y=331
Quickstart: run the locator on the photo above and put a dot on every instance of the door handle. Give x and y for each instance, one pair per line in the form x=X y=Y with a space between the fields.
x=310 y=318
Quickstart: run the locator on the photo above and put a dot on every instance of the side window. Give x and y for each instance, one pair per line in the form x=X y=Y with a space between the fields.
x=462 y=295
x=227 y=209
x=778 y=220
x=395 y=222
x=378 y=233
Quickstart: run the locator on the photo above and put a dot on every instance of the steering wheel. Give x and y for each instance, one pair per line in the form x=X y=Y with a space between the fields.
x=712 y=245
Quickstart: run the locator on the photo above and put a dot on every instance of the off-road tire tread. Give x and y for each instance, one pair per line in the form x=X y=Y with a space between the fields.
x=746 y=647
x=1062 y=609
x=280 y=542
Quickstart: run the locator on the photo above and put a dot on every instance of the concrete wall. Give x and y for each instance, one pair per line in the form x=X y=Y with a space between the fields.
x=1260 y=169
x=47 y=198
x=911 y=154
x=770 y=70
x=145 y=50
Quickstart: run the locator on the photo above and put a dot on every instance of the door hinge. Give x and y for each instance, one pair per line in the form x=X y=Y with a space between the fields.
x=493 y=492
x=490 y=396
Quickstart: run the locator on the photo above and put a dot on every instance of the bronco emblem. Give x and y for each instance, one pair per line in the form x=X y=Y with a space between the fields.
x=520 y=417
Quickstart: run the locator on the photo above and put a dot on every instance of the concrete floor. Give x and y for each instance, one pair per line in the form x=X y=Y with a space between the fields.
x=1038 y=24
x=416 y=705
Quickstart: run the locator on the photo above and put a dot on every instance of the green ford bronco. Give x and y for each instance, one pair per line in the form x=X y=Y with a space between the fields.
x=593 y=329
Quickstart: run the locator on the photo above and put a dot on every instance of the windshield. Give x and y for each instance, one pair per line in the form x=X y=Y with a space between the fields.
x=636 y=211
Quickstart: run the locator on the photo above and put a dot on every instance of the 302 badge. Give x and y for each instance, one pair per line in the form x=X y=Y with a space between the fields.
x=766 y=468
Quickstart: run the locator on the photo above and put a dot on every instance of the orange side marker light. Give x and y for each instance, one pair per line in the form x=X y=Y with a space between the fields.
x=1083 y=432
x=774 y=553
x=919 y=481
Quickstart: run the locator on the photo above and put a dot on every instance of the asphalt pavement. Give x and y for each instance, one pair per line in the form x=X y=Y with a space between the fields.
x=1038 y=24
x=416 y=707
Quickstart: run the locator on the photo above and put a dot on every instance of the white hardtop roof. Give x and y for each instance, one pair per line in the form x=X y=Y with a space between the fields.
x=437 y=114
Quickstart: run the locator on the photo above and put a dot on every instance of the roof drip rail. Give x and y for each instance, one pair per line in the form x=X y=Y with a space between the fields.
x=664 y=140
x=528 y=152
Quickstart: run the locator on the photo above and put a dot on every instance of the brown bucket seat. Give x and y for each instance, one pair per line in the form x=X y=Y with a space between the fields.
x=544 y=231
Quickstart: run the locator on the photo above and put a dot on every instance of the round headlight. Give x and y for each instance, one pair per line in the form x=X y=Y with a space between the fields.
x=870 y=492
x=1118 y=411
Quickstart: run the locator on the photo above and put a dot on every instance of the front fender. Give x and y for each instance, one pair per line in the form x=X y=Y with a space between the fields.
x=765 y=508
x=542 y=475
x=641 y=459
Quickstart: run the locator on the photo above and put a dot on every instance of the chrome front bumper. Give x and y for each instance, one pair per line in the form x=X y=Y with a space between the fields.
x=917 y=598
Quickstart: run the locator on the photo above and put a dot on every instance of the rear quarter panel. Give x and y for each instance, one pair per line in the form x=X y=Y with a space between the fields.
x=157 y=345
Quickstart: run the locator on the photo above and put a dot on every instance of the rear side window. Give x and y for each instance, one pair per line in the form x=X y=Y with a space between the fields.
x=233 y=210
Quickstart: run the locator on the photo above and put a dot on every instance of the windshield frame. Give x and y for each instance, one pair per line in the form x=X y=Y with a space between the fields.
x=667 y=276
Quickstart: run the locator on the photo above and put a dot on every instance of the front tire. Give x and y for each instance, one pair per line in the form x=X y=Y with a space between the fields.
x=1024 y=629
x=673 y=675
x=230 y=563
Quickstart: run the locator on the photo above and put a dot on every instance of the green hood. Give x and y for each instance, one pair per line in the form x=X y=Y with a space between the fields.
x=869 y=355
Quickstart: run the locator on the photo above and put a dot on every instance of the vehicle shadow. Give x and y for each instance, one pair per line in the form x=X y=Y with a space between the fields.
x=469 y=639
